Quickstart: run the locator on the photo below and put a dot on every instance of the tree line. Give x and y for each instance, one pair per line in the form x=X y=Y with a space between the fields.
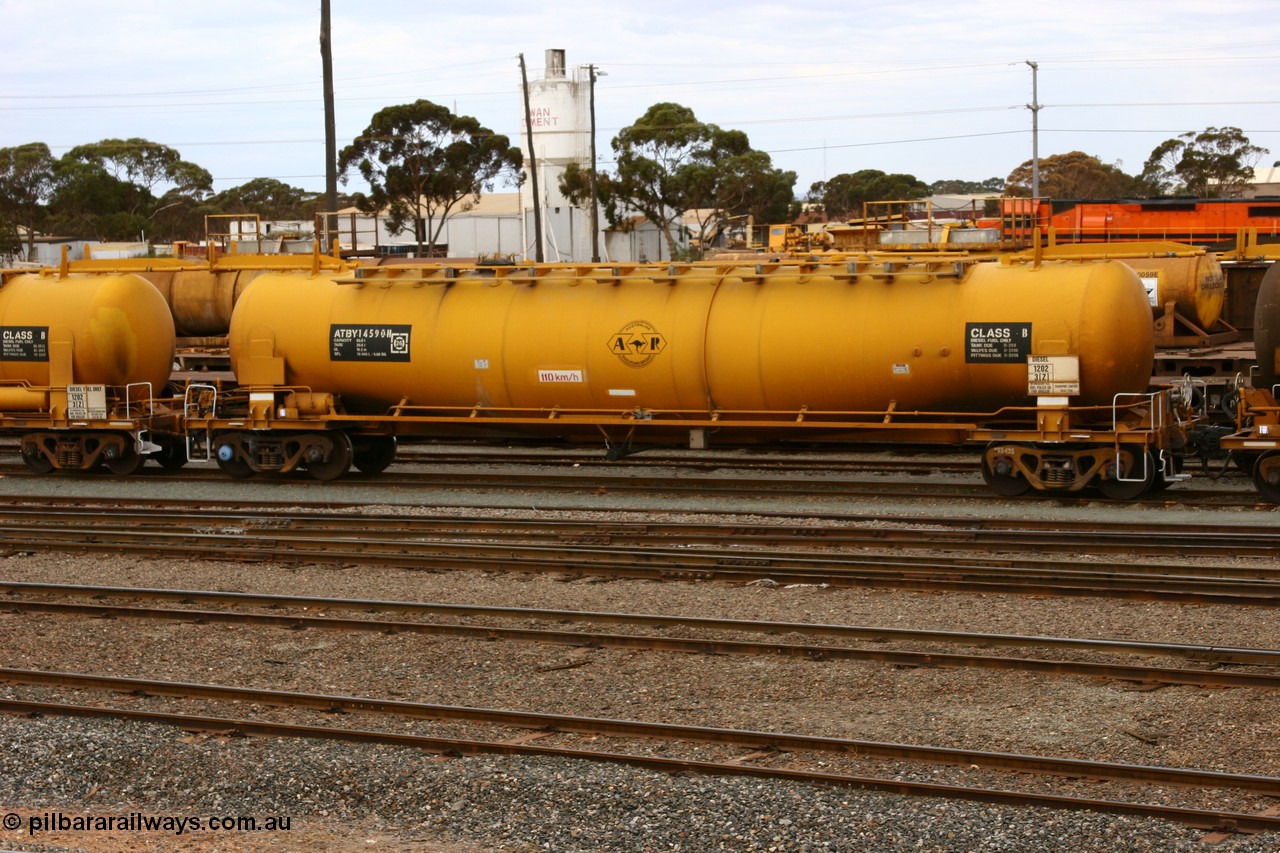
x=668 y=163
x=125 y=189
x=423 y=164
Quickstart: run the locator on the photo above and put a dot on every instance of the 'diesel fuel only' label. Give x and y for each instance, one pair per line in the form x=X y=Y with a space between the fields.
x=24 y=343
x=997 y=343
x=368 y=342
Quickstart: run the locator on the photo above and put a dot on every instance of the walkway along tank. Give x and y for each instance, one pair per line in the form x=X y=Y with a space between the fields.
x=1028 y=357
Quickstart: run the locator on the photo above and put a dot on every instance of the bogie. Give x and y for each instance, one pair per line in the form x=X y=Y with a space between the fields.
x=325 y=454
x=332 y=462
x=1128 y=475
x=1000 y=471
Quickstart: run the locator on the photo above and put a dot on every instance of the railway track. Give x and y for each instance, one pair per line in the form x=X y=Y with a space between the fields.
x=657 y=636
x=553 y=546
x=855 y=530
x=881 y=554
x=725 y=479
x=772 y=755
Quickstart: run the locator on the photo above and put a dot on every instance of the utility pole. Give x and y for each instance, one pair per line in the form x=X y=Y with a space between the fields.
x=533 y=165
x=330 y=128
x=595 y=193
x=1034 y=106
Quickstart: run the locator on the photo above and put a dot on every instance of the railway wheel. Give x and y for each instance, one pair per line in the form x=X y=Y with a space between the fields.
x=172 y=454
x=231 y=464
x=373 y=453
x=339 y=461
x=37 y=462
x=1266 y=476
x=129 y=462
x=998 y=473
x=123 y=461
x=1131 y=466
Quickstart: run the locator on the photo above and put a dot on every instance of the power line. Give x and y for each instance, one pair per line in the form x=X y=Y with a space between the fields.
x=273 y=177
x=897 y=141
x=267 y=87
x=317 y=141
x=1177 y=131
x=1169 y=104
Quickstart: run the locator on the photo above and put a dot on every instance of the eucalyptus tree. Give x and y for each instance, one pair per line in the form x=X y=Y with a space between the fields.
x=669 y=163
x=1217 y=161
x=26 y=182
x=423 y=163
x=842 y=196
x=143 y=167
x=1073 y=175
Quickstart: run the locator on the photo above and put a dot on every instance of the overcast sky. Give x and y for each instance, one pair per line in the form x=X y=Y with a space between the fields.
x=934 y=88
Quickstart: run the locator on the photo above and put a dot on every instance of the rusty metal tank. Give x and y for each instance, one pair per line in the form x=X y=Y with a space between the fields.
x=201 y=300
x=1190 y=278
x=116 y=329
x=1194 y=283
x=1266 y=329
x=951 y=338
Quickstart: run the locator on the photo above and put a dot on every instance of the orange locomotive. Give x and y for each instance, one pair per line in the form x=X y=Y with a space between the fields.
x=1213 y=223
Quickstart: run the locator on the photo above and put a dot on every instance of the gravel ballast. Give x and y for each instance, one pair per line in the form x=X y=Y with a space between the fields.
x=518 y=804
x=342 y=796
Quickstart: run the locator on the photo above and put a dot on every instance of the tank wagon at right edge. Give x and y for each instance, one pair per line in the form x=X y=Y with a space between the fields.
x=1256 y=441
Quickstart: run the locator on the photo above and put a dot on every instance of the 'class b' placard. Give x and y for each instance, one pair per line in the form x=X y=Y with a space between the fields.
x=24 y=343
x=997 y=343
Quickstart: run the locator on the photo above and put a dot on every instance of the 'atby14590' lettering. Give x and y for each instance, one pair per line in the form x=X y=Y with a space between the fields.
x=369 y=342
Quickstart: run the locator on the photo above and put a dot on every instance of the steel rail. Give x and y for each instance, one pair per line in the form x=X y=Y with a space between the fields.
x=935 y=660
x=759 y=485
x=756 y=486
x=729 y=567
x=459 y=538
x=732 y=564
x=1207 y=653
x=606 y=726
x=1243 y=540
x=894 y=546
x=251 y=509
x=1209 y=819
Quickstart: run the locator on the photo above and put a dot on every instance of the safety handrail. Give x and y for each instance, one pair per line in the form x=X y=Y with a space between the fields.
x=188 y=405
x=141 y=445
x=1157 y=422
x=150 y=404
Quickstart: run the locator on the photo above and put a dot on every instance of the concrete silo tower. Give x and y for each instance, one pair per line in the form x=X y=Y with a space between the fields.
x=560 y=115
